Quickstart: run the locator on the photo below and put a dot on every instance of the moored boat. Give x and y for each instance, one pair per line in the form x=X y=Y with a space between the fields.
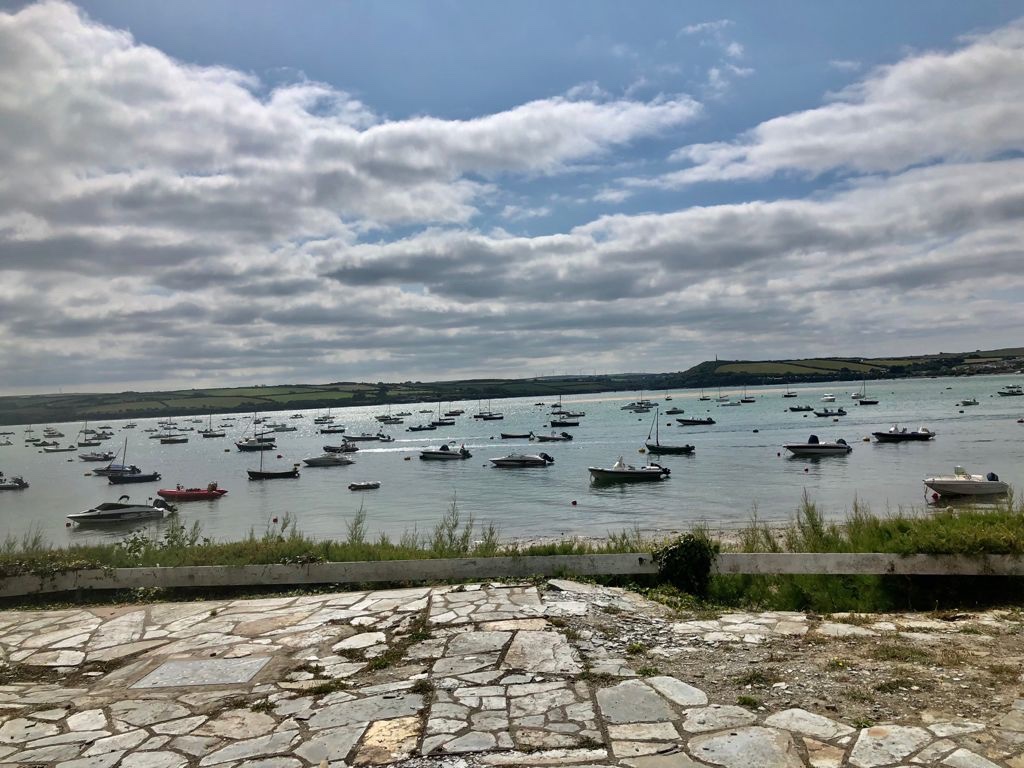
x=121 y=511
x=963 y=483
x=968 y=401
x=621 y=472
x=180 y=493
x=273 y=474
x=657 y=446
x=66 y=449
x=13 y=483
x=516 y=435
x=814 y=447
x=514 y=460
x=696 y=422
x=328 y=460
x=826 y=412
x=1011 y=390
x=97 y=456
x=366 y=485
x=139 y=477
x=552 y=438
x=345 y=447
x=897 y=434
x=800 y=408
x=445 y=453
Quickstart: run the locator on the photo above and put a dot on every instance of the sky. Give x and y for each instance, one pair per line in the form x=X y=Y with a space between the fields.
x=217 y=192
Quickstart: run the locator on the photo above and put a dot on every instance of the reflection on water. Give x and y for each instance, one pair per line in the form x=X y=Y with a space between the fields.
x=733 y=469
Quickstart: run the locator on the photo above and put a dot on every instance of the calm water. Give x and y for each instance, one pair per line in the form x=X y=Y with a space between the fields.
x=733 y=469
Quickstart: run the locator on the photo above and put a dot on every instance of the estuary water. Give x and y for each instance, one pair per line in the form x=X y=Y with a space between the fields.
x=739 y=464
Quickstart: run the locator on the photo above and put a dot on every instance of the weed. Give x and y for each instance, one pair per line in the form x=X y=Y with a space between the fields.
x=862 y=722
x=1004 y=673
x=423 y=686
x=328 y=686
x=648 y=671
x=612 y=610
x=758 y=678
x=263 y=705
x=750 y=702
x=905 y=653
x=635 y=649
x=837 y=664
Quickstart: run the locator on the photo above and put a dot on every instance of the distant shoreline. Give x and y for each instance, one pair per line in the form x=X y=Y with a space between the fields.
x=710 y=375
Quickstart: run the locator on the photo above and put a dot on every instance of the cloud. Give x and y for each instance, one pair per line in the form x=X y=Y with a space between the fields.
x=845 y=65
x=520 y=213
x=705 y=27
x=936 y=106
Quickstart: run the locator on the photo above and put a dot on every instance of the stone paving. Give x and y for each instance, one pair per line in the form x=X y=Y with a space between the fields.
x=479 y=675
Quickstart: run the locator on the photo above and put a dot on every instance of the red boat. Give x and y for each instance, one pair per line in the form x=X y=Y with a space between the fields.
x=208 y=493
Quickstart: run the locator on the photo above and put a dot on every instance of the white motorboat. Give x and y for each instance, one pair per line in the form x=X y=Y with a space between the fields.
x=367 y=437
x=1011 y=390
x=554 y=437
x=107 y=456
x=15 y=483
x=523 y=460
x=814 y=447
x=828 y=397
x=963 y=483
x=621 y=472
x=120 y=511
x=366 y=485
x=345 y=447
x=445 y=453
x=968 y=401
x=328 y=460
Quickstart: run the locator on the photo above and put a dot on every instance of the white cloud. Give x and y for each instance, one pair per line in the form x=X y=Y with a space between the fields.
x=734 y=50
x=935 y=106
x=521 y=213
x=706 y=26
x=845 y=65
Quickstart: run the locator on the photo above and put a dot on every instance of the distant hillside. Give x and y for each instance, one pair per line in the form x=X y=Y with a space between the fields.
x=38 y=409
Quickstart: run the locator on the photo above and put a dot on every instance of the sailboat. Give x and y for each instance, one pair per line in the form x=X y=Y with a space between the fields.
x=789 y=392
x=258 y=442
x=703 y=396
x=861 y=397
x=86 y=439
x=441 y=421
x=279 y=474
x=657 y=447
x=210 y=431
x=747 y=398
x=129 y=473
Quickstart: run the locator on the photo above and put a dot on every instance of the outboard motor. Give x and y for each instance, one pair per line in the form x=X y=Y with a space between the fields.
x=812 y=440
x=547 y=458
x=992 y=476
x=840 y=441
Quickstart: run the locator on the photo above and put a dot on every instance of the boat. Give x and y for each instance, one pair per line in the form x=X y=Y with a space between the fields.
x=272 y=474
x=826 y=412
x=800 y=408
x=862 y=396
x=564 y=423
x=696 y=422
x=120 y=511
x=455 y=412
x=747 y=398
x=442 y=422
x=138 y=477
x=814 y=447
x=98 y=456
x=6 y=442
x=896 y=434
x=422 y=428
x=46 y=443
x=658 y=447
x=331 y=429
x=210 y=493
x=58 y=449
x=366 y=485
x=674 y=411
x=256 y=444
x=211 y=433
x=445 y=453
x=345 y=447
x=328 y=460
x=1011 y=390
x=173 y=440
x=14 y=483
x=516 y=435
x=117 y=469
x=968 y=401
x=867 y=401
x=367 y=437
x=285 y=428
x=734 y=403
x=514 y=460
x=703 y=397
x=789 y=392
x=488 y=415
x=621 y=472
x=963 y=483
x=554 y=437
x=828 y=398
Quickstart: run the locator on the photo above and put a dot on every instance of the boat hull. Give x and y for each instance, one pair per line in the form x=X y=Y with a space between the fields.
x=948 y=486
x=600 y=475
x=287 y=474
x=902 y=437
x=141 y=477
x=190 y=494
x=674 y=449
x=810 y=449
x=696 y=422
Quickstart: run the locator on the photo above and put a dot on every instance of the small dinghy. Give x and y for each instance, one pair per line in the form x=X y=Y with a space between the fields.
x=560 y=437
x=15 y=483
x=445 y=453
x=368 y=485
x=814 y=447
x=963 y=483
x=621 y=472
x=328 y=460
x=180 y=493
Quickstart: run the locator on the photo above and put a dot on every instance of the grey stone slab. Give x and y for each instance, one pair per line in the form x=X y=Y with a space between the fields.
x=366 y=709
x=467 y=643
x=964 y=758
x=162 y=759
x=89 y=720
x=99 y=761
x=887 y=745
x=547 y=652
x=263 y=746
x=808 y=724
x=678 y=692
x=716 y=717
x=22 y=729
x=632 y=701
x=754 y=747
x=172 y=674
x=147 y=711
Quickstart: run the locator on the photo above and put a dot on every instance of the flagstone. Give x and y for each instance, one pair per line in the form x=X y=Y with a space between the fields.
x=887 y=745
x=261 y=746
x=821 y=755
x=99 y=761
x=547 y=652
x=752 y=747
x=147 y=711
x=237 y=724
x=632 y=701
x=46 y=754
x=678 y=692
x=331 y=744
x=809 y=724
x=88 y=720
x=386 y=741
x=367 y=709
x=154 y=760
x=21 y=730
x=717 y=717
x=118 y=743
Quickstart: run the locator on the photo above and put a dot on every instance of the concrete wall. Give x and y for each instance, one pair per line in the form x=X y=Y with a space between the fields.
x=501 y=567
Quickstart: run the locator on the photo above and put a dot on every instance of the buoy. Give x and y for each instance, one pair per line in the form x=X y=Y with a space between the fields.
x=227 y=450
x=756 y=431
x=280 y=456
x=805 y=469
x=778 y=453
x=273 y=520
x=407 y=458
x=866 y=439
x=961 y=410
x=642 y=450
x=574 y=502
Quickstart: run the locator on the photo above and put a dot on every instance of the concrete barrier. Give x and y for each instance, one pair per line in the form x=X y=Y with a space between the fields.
x=470 y=568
